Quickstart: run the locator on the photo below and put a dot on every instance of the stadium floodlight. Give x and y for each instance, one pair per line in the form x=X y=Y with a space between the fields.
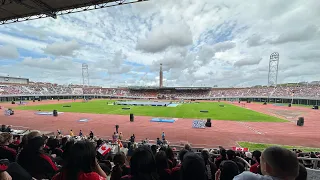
x=85 y=74
x=273 y=69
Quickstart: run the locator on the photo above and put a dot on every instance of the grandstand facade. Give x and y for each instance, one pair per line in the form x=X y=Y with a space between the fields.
x=13 y=80
x=299 y=94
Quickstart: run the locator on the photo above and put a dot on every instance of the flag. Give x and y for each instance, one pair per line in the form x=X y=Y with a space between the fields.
x=240 y=149
x=104 y=149
x=120 y=144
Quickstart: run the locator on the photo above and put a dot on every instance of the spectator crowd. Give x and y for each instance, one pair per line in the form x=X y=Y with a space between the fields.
x=59 y=157
x=304 y=91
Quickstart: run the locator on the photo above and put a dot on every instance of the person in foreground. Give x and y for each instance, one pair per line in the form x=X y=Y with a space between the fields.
x=81 y=164
x=34 y=160
x=276 y=163
x=143 y=165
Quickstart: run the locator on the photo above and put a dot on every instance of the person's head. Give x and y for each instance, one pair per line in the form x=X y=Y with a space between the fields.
x=142 y=163
x=249 y=155
x=70 y=130
x=279 y=162
x=64 y=140
x=303 y=174
x=80 y=130
x=312 y=155
x=170 y=153
x=82 y=159
x=53 y=143
x=205 y=155
x=223 y=153
x=6 y=138
x=114 y=132
x=229 y=170
x=256 y=155
x=35 y=145
x=119 y=159
x=24 y=140
x=33 y=134
x=193 y=167
x=231 y=154
x=161 y=160
x=154 y=149
x=181 y=154
x=187 y=147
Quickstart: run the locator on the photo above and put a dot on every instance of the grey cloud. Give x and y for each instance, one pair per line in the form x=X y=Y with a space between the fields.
x=207 y=52
x=115 y=65
x=47 y=63
x=248 y=61
x=8 y=52
x=254 y=40
x=62 y=48
x=164 y=36
x=303 y=34
x=223 y=46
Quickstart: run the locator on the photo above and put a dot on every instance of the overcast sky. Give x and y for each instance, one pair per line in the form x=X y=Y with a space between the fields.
x=199 y=42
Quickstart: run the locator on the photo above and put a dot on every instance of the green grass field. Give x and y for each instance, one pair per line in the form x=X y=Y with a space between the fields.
x=229 y=112
x=261 y=147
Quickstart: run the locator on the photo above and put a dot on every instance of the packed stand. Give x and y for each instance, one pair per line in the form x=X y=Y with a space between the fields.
x=307 y=91
x=79 y=157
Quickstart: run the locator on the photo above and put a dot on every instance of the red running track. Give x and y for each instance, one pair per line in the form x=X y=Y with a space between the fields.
x=223 y=133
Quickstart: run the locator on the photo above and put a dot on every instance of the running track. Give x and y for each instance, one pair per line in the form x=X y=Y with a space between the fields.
x=223 y=133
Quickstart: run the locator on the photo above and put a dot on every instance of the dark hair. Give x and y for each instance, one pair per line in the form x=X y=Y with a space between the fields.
x=169 y=153
x=284 y=163
x=53 y=143
x=143 y=164
x=67 y=150
x=229 y=170
x=257 y=155
x=30 y=152
x=302 y=173
x=64 y=140
x=154 y=149
x=182 y=153
x=161 y=160
x=231 y=154
x=162 y=148
x=34 y=145
x=193 y=167
x=205 y=155
x=119 y=160
x=5 y=137
x=99 y=143
x=223 y=153
x=82 y=158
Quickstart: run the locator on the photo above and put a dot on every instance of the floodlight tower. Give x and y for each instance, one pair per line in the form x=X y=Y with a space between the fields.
x=273 y=69
x=161 y=77
x=85 y=74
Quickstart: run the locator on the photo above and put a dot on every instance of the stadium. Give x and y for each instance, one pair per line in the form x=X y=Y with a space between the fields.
x=221 y=124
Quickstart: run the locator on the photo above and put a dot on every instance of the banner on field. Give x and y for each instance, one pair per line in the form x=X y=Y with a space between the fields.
x=240 y=149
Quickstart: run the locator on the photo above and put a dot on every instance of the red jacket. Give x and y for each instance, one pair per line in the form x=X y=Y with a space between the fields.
x=255 y=168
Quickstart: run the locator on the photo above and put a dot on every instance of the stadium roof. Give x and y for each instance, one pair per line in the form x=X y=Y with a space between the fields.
x=12 y=11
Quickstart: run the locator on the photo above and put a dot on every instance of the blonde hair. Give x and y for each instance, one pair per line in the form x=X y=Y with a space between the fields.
x=5 y=138
x=33 y=134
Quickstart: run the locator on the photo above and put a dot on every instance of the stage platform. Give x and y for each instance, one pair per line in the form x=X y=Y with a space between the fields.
x=142 y=103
